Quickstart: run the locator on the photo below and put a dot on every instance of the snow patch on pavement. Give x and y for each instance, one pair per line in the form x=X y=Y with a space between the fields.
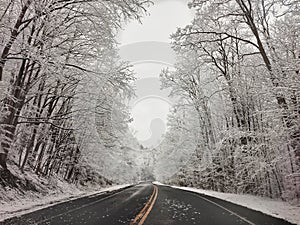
x=272 y=207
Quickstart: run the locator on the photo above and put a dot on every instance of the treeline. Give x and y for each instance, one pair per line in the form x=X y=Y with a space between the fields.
x=49 y=50
x=237 y=78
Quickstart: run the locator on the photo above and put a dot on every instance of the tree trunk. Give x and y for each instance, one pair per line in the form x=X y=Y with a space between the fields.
x=13 y=36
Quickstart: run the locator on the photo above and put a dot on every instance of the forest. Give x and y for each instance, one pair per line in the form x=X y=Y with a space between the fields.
x=235 y=81
x=58 y=66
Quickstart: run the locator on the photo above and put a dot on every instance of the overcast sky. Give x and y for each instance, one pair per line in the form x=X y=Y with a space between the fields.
x=146 y=46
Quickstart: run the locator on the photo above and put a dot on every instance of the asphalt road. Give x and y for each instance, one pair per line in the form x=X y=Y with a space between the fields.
x=148 y=205
x=178 y=207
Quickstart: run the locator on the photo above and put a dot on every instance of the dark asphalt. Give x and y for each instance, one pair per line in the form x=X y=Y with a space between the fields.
x=107 y=209
x=172 y=207
x=178 y=207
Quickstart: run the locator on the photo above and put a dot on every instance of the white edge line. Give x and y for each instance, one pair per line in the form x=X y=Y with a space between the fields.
x=243 y=218
x=30 y=209
x=82 y=206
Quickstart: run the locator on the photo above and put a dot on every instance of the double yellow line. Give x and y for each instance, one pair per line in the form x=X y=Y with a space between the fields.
x=143 y=214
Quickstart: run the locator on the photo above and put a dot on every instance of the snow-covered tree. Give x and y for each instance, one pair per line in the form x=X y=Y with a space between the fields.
x=51 y=53
x=248 y=58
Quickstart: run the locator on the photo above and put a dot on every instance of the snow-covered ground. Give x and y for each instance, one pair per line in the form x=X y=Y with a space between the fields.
x=268 y=206
x=29 y=204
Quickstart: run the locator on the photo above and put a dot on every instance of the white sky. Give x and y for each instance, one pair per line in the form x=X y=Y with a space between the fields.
x=165 y=16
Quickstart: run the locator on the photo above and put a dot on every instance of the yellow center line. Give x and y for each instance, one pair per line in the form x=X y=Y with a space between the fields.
x=149 y=205
x=150 y=208
x=144 y=209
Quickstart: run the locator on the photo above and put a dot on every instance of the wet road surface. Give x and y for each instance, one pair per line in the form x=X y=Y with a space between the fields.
x=146 y=204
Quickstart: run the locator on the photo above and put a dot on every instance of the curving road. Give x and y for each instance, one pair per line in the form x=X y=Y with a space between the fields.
x=146 y=204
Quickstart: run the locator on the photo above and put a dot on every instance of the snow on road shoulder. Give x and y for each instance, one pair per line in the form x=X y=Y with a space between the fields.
x=27 y=205
x=268 y=206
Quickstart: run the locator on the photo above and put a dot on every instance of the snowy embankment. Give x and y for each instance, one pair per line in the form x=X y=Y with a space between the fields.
x=268 y=206
x=29 y=204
